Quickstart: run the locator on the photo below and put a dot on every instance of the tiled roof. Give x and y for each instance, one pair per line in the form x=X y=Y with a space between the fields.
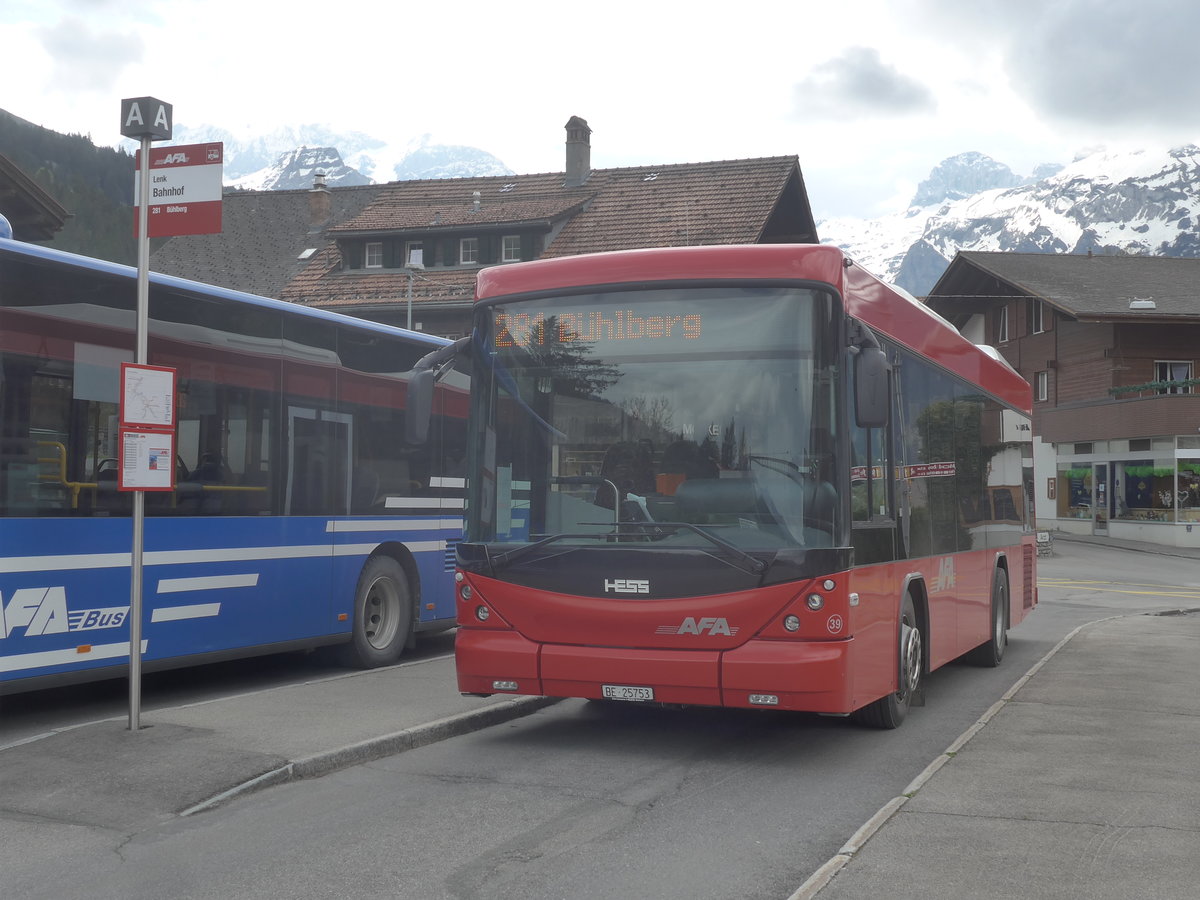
x=677 y=205
x=323 y=283
x=1086 y=287
x=733 y=201
x=263 y=234
x=409 y=205
x=33 y=214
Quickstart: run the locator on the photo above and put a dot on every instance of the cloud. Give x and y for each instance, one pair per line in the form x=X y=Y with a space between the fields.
x=1103 y=63
x=1107 y=66
x=859 y=83
x=87 y=58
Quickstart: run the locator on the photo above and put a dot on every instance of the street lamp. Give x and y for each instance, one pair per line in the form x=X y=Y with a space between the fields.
x=415 y=261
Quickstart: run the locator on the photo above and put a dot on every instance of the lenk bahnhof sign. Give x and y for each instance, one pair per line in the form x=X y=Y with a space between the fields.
x=185 y=190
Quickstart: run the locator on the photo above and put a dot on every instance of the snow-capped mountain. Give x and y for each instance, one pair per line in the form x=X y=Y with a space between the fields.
x=295 y=170
x=288 y=158
x=1143 y=202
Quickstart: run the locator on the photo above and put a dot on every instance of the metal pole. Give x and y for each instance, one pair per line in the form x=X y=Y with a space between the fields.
x=139 y=497
x=410 y=279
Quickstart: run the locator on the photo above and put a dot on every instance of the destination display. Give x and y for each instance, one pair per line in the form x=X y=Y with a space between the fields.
x=592 y=326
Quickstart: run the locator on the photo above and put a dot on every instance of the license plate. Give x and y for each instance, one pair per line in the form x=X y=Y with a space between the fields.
x=627 y=692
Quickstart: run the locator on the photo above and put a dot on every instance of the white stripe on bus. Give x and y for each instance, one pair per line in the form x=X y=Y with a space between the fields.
x=342 y=526
x=180 y=557
x=435 y=482
x=206 y=583
x=45 y=658
x=425 y=503
x=194 y=611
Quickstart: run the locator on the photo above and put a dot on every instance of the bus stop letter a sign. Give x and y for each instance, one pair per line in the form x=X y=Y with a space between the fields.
x=146 y=117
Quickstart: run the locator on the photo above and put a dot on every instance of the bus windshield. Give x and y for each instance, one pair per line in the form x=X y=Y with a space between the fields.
x=679 y=416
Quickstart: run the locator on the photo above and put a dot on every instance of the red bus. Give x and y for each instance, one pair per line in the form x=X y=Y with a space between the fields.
x=742 y=476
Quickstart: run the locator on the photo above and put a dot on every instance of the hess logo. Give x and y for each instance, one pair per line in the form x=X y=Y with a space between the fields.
x=626 y=586
x=703 y=625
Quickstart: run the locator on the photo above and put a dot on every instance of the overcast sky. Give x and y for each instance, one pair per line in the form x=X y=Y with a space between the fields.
x=869 y=94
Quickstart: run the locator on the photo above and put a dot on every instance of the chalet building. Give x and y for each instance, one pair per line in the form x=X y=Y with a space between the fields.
x=32 y=214
x=1110 y=345
x=407 y=252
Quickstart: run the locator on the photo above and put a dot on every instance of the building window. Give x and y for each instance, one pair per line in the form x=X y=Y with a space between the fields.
x=1037 y=317
x=414 y=254
x=511 y=248
x=468 y=251
x=1041 y=386
x=1173 y=370
x=1002 y=325
x=374 y=259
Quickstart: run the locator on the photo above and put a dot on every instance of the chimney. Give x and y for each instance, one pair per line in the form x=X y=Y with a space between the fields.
x=579 y=152
x=318 y=201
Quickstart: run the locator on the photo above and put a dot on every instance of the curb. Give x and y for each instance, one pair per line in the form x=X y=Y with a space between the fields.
x=376 y=748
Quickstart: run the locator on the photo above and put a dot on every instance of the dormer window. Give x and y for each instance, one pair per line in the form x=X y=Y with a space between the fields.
x=468 y=251
x=510 y=248
x=374 y=255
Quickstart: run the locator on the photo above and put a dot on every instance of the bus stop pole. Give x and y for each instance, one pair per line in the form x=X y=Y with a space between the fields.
x=139 y=497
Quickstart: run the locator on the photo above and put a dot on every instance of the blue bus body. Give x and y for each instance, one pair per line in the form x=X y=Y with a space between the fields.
x=274 y=551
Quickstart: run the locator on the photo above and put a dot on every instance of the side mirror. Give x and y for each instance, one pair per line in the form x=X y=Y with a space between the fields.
x=420 y=406
x=871 y=387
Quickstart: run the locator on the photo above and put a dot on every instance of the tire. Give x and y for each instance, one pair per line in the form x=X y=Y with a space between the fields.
x=990 y=653
x=383 y=615
x=890 y=711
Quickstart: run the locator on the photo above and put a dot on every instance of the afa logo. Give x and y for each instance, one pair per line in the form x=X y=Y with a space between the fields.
x=43 y=610
x=703 y=625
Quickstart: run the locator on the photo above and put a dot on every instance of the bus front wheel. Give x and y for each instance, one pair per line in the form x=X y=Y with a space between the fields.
x=383 y=615
x=890 y=711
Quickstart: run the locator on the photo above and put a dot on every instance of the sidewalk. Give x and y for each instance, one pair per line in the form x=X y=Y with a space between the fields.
x=188 y=758
x=1139 y=546
x=1082 y=782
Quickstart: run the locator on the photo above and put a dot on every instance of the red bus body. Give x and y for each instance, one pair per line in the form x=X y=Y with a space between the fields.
x=734 y=648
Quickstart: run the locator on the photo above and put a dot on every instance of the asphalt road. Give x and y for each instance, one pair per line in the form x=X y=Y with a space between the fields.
x=583 y=800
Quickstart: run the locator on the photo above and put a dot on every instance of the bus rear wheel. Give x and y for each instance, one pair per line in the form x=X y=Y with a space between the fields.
x=990 y=653
x=890 y=711
x=383 y=615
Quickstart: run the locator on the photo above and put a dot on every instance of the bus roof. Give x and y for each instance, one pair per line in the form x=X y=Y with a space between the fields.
x=115 y=270
x=893 y=313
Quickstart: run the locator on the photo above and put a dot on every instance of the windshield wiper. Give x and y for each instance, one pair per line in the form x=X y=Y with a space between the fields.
x=749 y=564
x=742 y=560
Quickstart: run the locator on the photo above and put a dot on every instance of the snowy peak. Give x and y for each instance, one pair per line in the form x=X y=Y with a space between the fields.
x=1145 y=203
x=288 y=157
x=962 y=176
x=295 y=170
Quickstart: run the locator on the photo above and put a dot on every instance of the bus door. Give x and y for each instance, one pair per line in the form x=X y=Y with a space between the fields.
x=320 y=444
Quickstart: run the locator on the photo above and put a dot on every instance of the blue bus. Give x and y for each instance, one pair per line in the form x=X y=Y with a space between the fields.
x=299 y=516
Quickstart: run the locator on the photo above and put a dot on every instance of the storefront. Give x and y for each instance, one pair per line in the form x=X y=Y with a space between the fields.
x=1142 y=489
